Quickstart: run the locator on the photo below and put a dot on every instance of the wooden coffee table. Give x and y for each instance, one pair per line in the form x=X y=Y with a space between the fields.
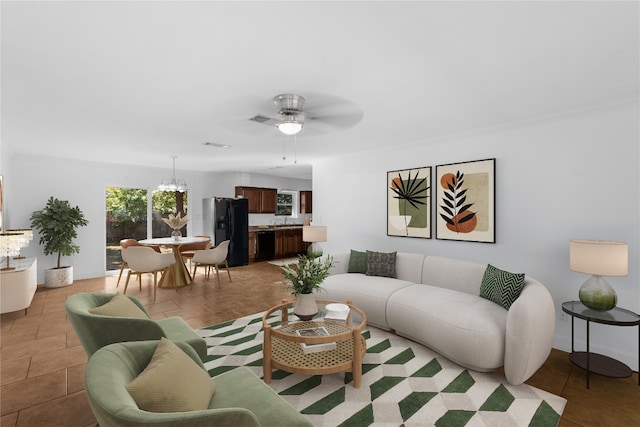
x=282 y=350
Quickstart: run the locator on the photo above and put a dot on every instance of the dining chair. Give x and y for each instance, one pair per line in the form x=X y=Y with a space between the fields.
x=212 y=258
x=188 y=249
x=125 y=243
x=143 y=259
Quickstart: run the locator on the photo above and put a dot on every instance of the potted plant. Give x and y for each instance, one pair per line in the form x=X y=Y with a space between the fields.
x=305 y=278
x=57 y=224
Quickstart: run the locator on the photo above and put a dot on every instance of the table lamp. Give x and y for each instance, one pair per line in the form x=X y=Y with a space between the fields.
x=598 y=258
x=314 y=234
x=27 y=236
x=10 y=244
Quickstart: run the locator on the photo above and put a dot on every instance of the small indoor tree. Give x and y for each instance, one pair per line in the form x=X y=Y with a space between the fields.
x=57 y=224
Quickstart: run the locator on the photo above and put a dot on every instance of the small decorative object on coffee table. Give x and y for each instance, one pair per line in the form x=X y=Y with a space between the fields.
x=282 y=346
x=594 y=362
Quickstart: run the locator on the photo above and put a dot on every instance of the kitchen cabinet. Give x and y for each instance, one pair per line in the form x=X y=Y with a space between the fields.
x=261 y=200
x=268 y=200
x=252 y=246
x=306 y=204
x=279 y=253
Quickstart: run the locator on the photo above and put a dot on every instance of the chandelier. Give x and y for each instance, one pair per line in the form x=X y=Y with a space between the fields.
x=173 y=184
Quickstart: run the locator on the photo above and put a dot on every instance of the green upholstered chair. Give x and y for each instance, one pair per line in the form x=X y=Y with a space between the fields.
x=96 y=331
x=240 y=399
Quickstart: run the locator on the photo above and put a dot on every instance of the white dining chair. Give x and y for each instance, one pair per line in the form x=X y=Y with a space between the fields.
x=142 y=259
x=212 y=258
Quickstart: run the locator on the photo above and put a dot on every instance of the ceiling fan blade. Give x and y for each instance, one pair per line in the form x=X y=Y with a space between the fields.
x=336 y=121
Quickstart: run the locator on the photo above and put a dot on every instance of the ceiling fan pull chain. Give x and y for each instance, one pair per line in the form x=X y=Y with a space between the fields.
x=295 y=149
x=284 y=147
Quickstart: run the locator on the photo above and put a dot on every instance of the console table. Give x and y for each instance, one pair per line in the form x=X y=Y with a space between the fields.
x=18 y=286
x=594 y=362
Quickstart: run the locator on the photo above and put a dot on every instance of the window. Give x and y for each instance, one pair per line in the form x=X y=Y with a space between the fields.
x=284 y=205
x=127 y=217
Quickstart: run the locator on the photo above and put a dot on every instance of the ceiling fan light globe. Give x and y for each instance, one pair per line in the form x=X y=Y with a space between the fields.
x=290 y=128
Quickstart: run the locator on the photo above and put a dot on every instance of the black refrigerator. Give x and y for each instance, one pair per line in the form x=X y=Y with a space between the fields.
x=228 y=219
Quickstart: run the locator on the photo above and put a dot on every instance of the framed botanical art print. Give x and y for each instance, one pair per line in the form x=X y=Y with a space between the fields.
x=409 y=203
x=465 y=201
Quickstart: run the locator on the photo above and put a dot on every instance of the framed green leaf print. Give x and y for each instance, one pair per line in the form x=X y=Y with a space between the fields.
x=409 y=203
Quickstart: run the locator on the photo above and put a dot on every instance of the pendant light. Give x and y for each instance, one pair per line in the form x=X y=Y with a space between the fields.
x=172 y=184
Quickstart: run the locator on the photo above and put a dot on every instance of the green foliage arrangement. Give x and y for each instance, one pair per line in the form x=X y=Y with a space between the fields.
x=57 y=224
x=308 y=275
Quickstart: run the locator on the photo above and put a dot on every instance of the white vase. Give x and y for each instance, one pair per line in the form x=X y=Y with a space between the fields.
x=58 y=277
x=305 y=307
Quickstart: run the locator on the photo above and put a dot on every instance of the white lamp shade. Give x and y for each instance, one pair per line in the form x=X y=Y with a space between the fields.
x=599 y=257
x=314 y=233
x=290 y=127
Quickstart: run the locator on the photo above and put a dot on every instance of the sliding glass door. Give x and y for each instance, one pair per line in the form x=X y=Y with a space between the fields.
x=136 y=213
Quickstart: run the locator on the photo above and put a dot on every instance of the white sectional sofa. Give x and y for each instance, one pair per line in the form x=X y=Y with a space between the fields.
x=435 y=301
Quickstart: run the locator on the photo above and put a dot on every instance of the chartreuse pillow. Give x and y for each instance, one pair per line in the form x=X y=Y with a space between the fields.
x=172 y=382
x=501 y=287
x=120 y=306
x=357 y=262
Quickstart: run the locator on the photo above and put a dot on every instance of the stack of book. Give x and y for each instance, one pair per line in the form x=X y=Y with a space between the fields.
x=315 y=332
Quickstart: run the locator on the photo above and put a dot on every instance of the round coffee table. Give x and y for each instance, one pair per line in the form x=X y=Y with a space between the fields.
x=282 y=346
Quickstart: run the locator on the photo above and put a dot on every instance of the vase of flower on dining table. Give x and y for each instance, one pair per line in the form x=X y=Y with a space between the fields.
x=176 y=222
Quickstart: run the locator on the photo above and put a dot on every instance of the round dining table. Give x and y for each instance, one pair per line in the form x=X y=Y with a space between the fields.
x=177 y=276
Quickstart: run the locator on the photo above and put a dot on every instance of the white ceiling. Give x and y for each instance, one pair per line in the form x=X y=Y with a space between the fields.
x=137 y=82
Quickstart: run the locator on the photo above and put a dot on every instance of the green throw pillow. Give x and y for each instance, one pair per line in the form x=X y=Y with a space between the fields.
x=120 y=306
x=357 y=262
x=500 y=286
x=381 y=264
x=172 y=382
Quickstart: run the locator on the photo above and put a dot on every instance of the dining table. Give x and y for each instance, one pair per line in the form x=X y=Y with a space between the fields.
x=177 y=275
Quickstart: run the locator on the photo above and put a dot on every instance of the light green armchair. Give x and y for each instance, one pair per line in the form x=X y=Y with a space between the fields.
x=241 y=399
x=96 y=331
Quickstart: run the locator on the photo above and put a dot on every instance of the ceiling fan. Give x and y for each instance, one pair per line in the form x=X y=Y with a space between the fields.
x=291 y=117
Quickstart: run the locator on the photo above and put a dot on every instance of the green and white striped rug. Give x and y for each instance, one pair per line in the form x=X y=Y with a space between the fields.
x=403 y=384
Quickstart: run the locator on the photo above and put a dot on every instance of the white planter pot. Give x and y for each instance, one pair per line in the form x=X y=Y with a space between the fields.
x=305 y=307
x=58 y=277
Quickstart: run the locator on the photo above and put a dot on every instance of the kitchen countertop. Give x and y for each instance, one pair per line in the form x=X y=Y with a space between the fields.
x=274 y=227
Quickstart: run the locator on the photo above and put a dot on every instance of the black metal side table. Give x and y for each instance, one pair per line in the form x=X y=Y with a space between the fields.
x=598 y=363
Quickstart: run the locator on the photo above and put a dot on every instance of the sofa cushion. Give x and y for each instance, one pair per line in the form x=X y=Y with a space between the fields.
x=369 y=293
x=501 y=287
x=381 y=264
x=119 y=306
x=357 y=262
x=172 y=382
x=452 y=273
x=466 y=329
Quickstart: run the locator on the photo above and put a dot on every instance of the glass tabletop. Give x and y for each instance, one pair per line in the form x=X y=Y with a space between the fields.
x=615 y=316
x=334 y=323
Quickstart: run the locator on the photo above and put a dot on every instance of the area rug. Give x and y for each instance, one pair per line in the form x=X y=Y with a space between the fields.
x=285 y=261
x=403 y=384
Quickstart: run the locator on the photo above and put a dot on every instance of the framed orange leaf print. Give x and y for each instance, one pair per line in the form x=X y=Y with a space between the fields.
x=409 y=203
x=465 y=201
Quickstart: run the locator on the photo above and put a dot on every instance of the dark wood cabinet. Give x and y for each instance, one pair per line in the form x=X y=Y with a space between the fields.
x=306 y=203
x=279 y=252
x=261 y=200
x=252 y=246
x=268 y=199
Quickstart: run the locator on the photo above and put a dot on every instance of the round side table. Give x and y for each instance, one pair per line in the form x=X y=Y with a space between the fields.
x=598 y=363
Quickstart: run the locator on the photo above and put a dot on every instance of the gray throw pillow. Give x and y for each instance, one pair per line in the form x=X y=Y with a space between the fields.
x=501 y=287
x=381 y=264
x=357 y=262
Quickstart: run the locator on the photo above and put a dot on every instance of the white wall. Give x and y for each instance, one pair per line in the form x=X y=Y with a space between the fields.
x=569 y=178
x=30 y=181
